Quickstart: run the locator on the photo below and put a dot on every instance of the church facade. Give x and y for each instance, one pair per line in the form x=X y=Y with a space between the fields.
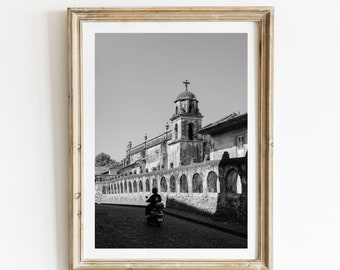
x=195 y=168
x=185 y=142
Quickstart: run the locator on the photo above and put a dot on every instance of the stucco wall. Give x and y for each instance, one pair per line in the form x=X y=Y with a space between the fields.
x=228 y=139
x=191 y=150
x=174 y=154
x=220 y=143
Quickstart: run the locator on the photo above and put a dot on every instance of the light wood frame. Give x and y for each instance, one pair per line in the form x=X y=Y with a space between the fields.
x=264 y=17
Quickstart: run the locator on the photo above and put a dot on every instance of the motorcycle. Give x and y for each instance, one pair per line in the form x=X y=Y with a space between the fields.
x=156 y=216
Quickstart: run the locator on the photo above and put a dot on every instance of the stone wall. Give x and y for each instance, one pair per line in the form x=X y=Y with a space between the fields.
x=110 y=191
x=206 y=188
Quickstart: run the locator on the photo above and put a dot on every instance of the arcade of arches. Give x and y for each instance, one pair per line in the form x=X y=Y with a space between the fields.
x=206 y=187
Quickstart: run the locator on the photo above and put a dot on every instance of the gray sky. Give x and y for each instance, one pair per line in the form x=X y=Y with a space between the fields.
x=138 y=77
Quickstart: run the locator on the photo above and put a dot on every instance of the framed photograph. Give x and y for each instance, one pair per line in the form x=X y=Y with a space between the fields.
x=170 y=137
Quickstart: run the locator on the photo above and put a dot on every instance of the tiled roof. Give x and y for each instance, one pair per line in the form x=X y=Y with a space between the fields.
x=226 y=123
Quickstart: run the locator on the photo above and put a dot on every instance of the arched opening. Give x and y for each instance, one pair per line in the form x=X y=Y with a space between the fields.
x=197 y=184
x=212 y=182
x=154 y=183
x=147 y=185
x=140 y=186
x=125 y=187
x=176 y=110
x=183 y=182
x=190 y=107
x=233 y=182
x=238 y=185
x=172 y=184
x=164 y=186
x=176 y=131
x=130 y=187
x=191 y=131
x=134 y=186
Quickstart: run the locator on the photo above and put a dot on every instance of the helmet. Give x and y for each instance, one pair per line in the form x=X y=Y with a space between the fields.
x=154 y=190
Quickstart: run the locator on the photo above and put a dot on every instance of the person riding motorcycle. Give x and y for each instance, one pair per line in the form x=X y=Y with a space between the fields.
x=155 y=198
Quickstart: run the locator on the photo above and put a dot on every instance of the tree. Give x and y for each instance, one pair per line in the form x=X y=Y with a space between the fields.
x=104 y=159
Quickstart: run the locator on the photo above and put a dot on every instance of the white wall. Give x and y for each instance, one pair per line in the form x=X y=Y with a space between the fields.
x=34 y=144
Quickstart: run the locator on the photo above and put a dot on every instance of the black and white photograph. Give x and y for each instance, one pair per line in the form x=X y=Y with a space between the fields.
x=171 y=135
x=171 y=140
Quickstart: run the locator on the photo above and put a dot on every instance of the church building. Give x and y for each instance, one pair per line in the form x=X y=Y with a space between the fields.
x=195 y=168
x=185 y=142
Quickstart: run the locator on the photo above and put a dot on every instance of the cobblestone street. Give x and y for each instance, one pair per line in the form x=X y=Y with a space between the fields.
x=125 y=227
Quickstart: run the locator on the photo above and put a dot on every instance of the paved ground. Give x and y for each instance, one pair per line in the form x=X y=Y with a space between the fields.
x=234 y=228
x=125 y=227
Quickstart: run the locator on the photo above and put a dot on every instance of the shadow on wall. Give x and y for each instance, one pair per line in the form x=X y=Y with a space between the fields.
x=232 y=200
x=176 y=204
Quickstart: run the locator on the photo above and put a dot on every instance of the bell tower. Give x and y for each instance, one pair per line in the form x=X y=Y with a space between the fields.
x=186 y=145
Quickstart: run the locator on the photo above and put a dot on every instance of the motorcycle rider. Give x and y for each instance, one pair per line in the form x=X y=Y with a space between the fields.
x=155 y=198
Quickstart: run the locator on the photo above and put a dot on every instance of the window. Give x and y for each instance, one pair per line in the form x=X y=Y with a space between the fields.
x=176 y=131
x=154 y=183
x=183 y=182
x=147 y=185
x=164 y=186
x=212 y=182
x=191 y=131
x=240 y=141
x=197 y=185
x=172 y=184
x=140 y=186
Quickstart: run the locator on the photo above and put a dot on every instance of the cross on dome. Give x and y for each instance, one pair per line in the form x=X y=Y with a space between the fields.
x=186 y=84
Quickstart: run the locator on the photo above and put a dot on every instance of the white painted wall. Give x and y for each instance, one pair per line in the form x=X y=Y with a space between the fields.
x=34 y=144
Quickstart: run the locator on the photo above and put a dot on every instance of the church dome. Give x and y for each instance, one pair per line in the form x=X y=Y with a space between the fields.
x=185 y=95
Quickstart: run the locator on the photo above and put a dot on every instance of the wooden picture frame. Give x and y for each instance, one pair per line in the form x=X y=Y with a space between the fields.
x=79 y=213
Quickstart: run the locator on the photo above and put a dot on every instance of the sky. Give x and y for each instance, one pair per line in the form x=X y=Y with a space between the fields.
x=139 y=76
